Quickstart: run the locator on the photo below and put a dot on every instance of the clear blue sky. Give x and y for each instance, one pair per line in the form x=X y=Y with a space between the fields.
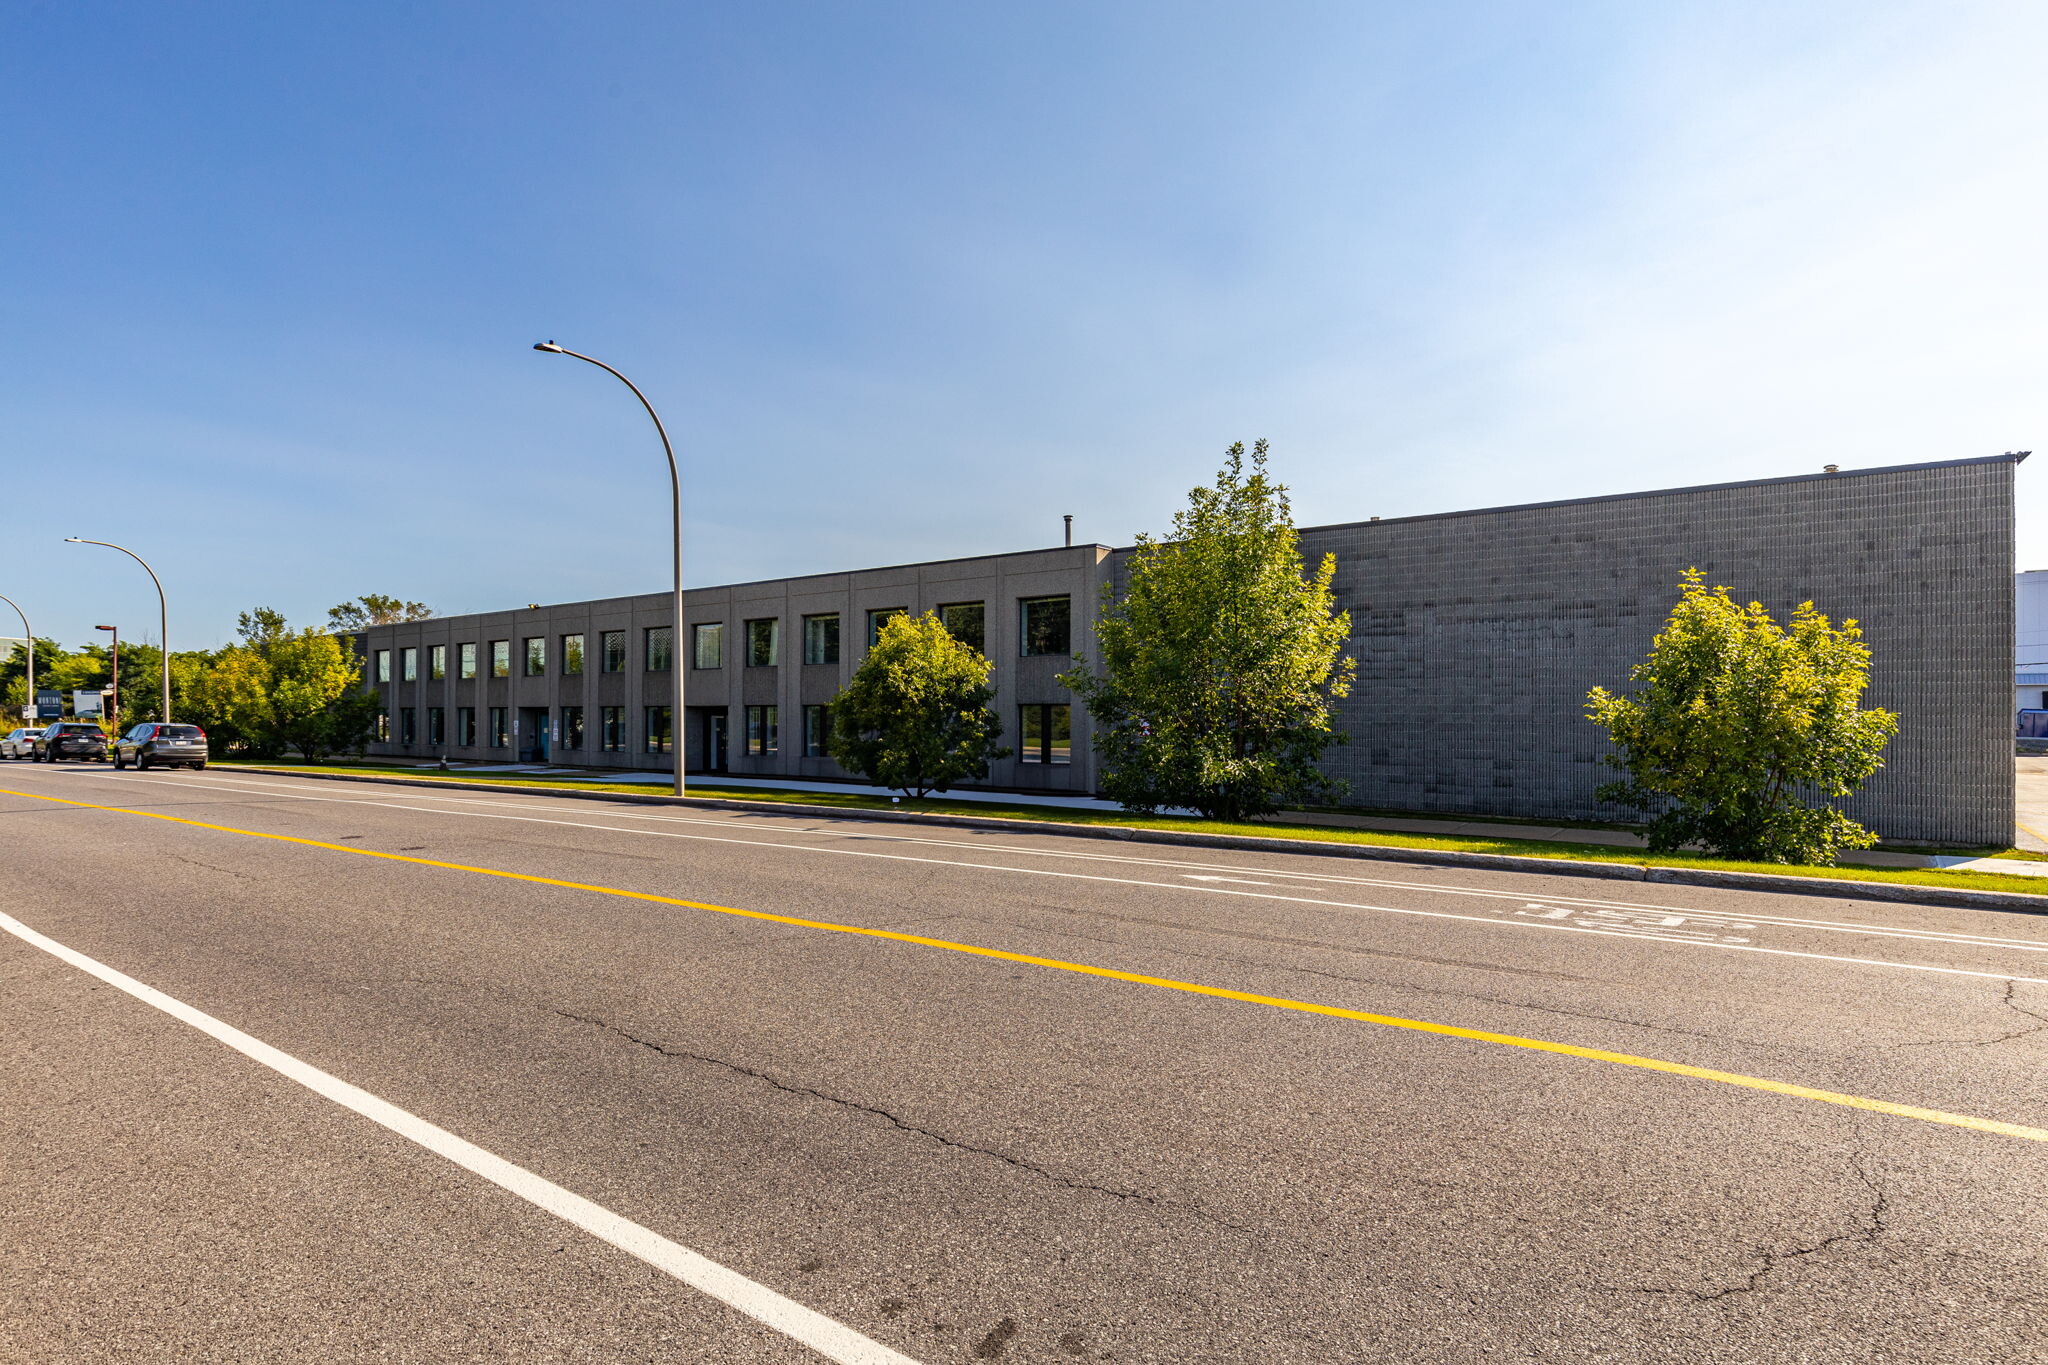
x=911 y=281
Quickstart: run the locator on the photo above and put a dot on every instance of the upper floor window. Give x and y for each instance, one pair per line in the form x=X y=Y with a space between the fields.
x=501 y=658
x=572 y=655
x=966 y=622
x=764 y=643
x=437 y=663
x=383 y=667
x=409 y=664
x=465 y=660
x=708 y=646
x=1045 y=625
x=613 y=643
x=875 y=619
x=661 y=648
x=536 y=656
x=821 y=639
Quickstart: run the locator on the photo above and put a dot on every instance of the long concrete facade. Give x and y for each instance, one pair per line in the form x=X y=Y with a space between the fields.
x=1478 y=635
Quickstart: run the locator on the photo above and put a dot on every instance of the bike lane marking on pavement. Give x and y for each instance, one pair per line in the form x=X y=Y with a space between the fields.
x=501 y=803
x=1969 y=1121
x=828 y=1337
x=1606 y=925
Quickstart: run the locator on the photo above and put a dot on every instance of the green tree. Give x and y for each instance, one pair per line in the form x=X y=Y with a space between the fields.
x=916 y=714
x=278 y=689
x=1740 y=729
x=1220 y=659
x=374 y=609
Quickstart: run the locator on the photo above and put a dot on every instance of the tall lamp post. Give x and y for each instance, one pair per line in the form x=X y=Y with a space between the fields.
x=163 y=609
x=28 y=630
x=114 y=691
x=676 y=660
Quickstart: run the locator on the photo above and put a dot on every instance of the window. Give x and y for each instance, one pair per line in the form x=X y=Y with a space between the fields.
x=821 y=639
x=613 y=643
x=536 y=656
x=500 y=735
x=764 y=644
x=660 y=734
x=661 y=649
x=611 y=735
x=966 y=622
x=1046 y=733
x=437 y=663
x=817 y=732
x=406 y=733
x=409 y=664
x=383 y=727
x=707 y=646
x=761 y=737
x=465 y=655
x=875 y=619
x=465 y=724
x=572 y=727
x=1045 y=625
x=501 y=658
x=572 y=656
x=383 y=665
x=437 y=726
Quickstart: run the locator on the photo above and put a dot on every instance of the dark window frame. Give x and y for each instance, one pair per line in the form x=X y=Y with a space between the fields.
x=876 y=616
x=764 y=653
x=658 y=738
x=818 y=730
x=979 y=642
x=713 y=634
x=572 y=654
x=1027 y=643
x=764 y=731
x=817 y=649
x=535 y=667
x=1042 y=713
x=501 y=658
x=649 y=635
x=437 y=663
x=611 y=651
x=572 y=727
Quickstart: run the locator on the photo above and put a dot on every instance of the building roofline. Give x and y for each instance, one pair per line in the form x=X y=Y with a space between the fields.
x=2012 y=456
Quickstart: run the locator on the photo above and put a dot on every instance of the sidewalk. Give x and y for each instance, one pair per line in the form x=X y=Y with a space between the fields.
x=2033 y=787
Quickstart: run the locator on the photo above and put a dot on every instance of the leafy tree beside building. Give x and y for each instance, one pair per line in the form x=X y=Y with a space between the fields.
x=915 y=715
x=1220 y=659
x=374 y=609
x=1740 y=730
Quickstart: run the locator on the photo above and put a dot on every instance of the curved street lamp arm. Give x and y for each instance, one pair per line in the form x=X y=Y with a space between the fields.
x=30 y=631
x=163 y=613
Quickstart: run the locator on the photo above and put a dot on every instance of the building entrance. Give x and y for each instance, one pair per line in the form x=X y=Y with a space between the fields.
x=533 y=734
x=714 y=741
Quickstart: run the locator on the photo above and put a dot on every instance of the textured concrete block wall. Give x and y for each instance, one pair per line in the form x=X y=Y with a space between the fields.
x=1479 y=634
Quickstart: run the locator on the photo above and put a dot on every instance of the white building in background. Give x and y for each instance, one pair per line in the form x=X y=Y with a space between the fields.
x=2030 y=641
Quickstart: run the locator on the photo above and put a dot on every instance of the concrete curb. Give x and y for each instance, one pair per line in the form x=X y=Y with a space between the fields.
x=1840 y=888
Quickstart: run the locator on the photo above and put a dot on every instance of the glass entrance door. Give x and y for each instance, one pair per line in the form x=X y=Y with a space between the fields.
x=714 y=742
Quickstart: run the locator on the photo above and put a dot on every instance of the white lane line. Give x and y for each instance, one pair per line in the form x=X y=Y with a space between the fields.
x=831 y=1339
x=1603 y=931
x=1292 y=874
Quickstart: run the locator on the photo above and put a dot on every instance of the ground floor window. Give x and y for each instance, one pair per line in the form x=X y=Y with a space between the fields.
x=817 y=731
x=501 y=735
x=437 y=725
x=383 y=728
x=465 y=727
x=661 y=735
x=406 y=732
x=761 y=731
x=611 y=733
x=1045 y=733
x=572 y=727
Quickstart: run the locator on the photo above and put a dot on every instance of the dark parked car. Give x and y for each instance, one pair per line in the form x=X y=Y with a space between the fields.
x=152 y=744
x=71 y=739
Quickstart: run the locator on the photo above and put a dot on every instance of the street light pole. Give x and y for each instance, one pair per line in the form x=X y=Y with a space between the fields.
x=163 y=610
x=114 y=705
x=28 y=630
x=676 y=659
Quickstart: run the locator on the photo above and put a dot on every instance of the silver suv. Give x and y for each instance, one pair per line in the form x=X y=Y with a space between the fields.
x=153 y=743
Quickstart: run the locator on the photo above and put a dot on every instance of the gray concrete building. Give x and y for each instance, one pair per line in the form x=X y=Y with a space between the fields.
x=1477 y=633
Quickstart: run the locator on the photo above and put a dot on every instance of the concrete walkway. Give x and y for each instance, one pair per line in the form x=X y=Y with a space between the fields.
x=2032 y=788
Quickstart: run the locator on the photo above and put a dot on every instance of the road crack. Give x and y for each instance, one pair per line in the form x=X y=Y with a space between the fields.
x=1874 y=1224
x=898 y=1121
x=2010 y=1001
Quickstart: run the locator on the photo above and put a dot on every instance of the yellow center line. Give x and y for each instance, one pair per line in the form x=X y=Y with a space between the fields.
x=1592 y=1054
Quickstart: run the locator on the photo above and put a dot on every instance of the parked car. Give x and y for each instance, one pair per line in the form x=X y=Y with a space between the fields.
x=19 y=743
x=152 y=744
x=71 y=739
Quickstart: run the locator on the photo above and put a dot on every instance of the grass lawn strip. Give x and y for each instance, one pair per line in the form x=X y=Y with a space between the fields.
x=1453 y=843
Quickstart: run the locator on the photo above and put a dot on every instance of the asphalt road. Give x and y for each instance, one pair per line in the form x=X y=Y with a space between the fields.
x=901 y=1146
